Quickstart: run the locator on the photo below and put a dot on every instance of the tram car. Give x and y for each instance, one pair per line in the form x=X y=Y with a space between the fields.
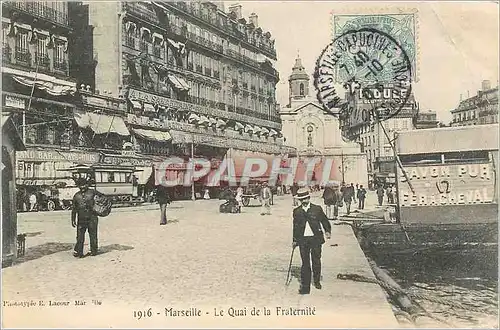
x=118 y=182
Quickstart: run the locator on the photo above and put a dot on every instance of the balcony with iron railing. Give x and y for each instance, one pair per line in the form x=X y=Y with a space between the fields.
x=42 y=60
x=140 y=10
x=22 y=56
x=60 y=65
x=220 y=24
x=40 y=10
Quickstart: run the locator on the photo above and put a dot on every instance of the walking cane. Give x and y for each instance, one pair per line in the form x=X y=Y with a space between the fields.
x=288 y=278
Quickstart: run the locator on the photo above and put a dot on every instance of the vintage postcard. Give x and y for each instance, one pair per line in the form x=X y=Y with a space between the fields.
x=211 y=164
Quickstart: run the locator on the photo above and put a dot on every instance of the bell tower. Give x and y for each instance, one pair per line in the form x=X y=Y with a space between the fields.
x=298 y=82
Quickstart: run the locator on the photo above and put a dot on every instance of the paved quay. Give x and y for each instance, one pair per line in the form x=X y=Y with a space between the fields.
x=222 y=270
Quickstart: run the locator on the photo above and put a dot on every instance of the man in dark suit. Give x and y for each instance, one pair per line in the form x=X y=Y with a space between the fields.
x=163 y=199
x=308 y=236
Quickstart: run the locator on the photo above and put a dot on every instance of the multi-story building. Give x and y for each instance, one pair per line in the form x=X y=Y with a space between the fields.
x=479 y=109
x=37 y=88
x=191 y=74
x=374 y=136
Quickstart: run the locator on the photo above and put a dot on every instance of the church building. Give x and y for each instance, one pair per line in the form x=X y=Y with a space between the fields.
x=314 y=132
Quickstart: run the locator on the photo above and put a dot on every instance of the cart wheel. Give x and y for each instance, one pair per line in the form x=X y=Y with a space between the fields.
x=246 y=201
x=51 y=206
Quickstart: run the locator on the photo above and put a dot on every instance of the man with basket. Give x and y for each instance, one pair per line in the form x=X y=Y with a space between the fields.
x=88 y=205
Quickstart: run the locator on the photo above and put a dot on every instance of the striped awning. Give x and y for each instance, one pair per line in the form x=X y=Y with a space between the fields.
x=264 y=131
x=178 y=82
x=248 y=129
x=272 y=132
x=101 y=124
x=257 y=129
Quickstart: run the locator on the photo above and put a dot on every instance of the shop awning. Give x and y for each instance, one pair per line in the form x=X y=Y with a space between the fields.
x=143 y=174
x=178 y=82
x=44 y=82
x=149 y=107
x=193 y=118
x=101 y=124
x=220 y=123
x=264 y=131
x=238 y=126
x=203 y=120
x=212 y=122
x=272 y=132
x=160 y=136
x=256 y=129
x=136 y=104
x=248 y=128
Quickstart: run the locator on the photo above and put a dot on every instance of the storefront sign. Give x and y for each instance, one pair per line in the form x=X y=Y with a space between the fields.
x=14 y=102
x=447 y=185
x=117 y=160
x=52 y=155
x=102 y=102
x=134 y=94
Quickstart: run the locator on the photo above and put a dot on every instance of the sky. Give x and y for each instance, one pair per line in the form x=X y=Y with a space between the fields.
x=457 y=43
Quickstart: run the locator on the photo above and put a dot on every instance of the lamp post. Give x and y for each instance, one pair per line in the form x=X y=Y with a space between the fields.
x=193 y=196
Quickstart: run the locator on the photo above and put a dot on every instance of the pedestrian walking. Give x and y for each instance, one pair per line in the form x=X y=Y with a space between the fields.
x=163 y=199
x=239 y=197
x=361 y=197
x=353 y=192
x=380 y=194
x=330 y=198
x=309 y=223
x=347 y=197
x=84 y=218
x=390 y=195
x=265 y=197
x=33 y=201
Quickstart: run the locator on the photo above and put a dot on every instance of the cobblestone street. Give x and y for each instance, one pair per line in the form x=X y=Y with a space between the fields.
x=201 y=259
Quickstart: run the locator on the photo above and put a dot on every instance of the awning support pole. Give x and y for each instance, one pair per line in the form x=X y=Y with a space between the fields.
x=193 y=197
x=29 y=103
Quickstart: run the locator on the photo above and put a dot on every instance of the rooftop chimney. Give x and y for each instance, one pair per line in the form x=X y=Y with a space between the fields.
x=486 y=85
x=254 y=19
x=236 y=9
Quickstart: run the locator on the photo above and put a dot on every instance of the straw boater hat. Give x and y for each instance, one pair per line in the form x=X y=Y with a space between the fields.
x=303 y=193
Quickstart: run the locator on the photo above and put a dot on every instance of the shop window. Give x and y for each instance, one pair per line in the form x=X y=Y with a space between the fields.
x=301 y=89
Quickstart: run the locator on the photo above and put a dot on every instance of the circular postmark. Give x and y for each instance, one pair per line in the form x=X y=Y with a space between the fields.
x=374 y=71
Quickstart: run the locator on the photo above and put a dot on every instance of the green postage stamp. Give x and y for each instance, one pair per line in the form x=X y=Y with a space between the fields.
x=402 y=27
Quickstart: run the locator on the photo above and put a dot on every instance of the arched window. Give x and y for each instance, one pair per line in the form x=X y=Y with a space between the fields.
x=310 y=130
x=301 y=87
